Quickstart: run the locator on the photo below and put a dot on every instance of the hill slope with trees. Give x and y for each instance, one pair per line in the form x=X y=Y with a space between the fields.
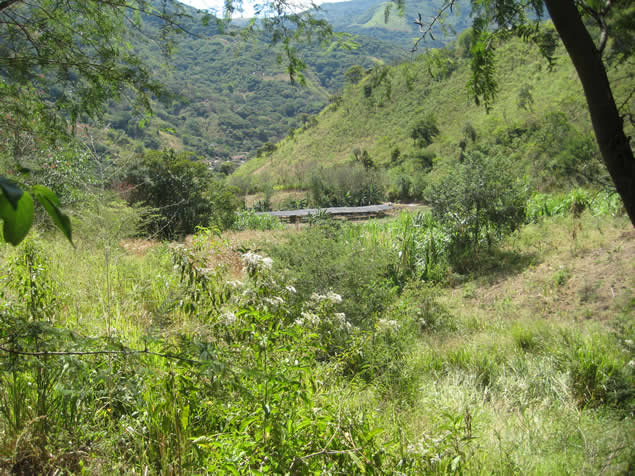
x=383 y=20
x=231 y=95
x=411 y=124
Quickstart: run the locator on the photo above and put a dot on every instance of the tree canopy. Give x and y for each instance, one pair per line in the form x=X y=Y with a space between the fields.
x=586 y=27
x=62 y=61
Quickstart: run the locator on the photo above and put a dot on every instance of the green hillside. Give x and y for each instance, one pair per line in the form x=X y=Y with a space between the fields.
x=539 y=121
x=231 y=95
x=369 y=17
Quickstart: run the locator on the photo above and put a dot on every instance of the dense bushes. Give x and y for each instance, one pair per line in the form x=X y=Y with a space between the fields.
x=606 y=202
x=480 y=202
x=346 y=185
x=321 y=260
x=600 y=375
x=334 y=356
x=182 y=192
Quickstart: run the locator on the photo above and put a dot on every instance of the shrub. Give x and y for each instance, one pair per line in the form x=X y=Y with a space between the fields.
x=182 y=192
x=363 y=158
x=354 y=74
x=418 y=310
x=570 y=155
x=421 y=246
x=249 y=220
x=347 y=185
x=600 y=375
x=424 y=131
x=68 y=171
x=543 y=205
x=224 y=201
x=400 y=189
x=480 y=203
x=380 y=353
x=319 y=260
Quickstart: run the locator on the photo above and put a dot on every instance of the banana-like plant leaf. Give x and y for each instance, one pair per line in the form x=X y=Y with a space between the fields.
x=51 y=204
x=11 y=191
x=17 y=219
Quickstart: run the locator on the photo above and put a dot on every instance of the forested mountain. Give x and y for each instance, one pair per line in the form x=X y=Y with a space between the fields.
x=233 y=95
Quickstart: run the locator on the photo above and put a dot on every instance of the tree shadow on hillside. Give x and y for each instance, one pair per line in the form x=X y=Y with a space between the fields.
x=494 y=265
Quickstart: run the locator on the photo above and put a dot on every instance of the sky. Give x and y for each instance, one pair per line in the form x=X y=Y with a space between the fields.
x=247 y=4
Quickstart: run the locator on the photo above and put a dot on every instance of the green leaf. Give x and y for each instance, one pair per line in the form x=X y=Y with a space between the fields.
x=51 y=204
x=185 y=414
x=357 y=461
x=17 y=218
x=11 y=191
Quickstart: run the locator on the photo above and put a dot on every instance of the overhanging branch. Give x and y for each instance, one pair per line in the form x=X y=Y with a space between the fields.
x=7 y=3
x=425 y=29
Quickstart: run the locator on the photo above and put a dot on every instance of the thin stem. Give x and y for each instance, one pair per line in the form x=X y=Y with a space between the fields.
x=46 y=353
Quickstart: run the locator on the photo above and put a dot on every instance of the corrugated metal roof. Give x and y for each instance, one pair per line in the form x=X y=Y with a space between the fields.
x=331 y=211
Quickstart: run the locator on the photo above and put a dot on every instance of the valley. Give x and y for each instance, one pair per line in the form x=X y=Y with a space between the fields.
x=453 y=293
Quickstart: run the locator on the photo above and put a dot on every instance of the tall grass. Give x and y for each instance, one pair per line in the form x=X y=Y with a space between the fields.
x=341 y=356
x=574 y=202
x=249 y=220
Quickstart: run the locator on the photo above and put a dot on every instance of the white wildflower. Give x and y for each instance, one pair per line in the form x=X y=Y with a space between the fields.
x=274 y=301
x=340 y=322
x=387 y=325
x=311 y=319
x=317 y=297
x=228 y=318
x=333 y=297
x=248 y=293
x=267 y=262
x=291 y=289
x=340 y=316
x=235 y=283
x=254 y=261
x=330 y=296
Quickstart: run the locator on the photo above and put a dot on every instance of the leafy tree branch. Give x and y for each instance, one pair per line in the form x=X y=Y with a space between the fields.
x=494 y=19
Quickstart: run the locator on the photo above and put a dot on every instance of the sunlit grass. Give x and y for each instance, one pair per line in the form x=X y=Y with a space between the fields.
x=507 y=371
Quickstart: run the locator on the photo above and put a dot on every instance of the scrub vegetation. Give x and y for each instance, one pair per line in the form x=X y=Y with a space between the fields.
x=153 y=323
x=335 y=347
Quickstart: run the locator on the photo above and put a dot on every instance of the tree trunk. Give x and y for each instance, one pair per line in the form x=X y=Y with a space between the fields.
x=607 y=123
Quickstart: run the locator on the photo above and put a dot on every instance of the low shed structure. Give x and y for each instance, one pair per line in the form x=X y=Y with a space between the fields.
x=349 y=213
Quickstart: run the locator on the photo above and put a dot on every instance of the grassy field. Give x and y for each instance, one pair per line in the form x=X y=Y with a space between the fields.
x=208 y=357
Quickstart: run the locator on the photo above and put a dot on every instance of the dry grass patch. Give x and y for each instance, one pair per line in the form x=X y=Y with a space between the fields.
x=138 y=246
x=276 y=199
x=589 y=276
